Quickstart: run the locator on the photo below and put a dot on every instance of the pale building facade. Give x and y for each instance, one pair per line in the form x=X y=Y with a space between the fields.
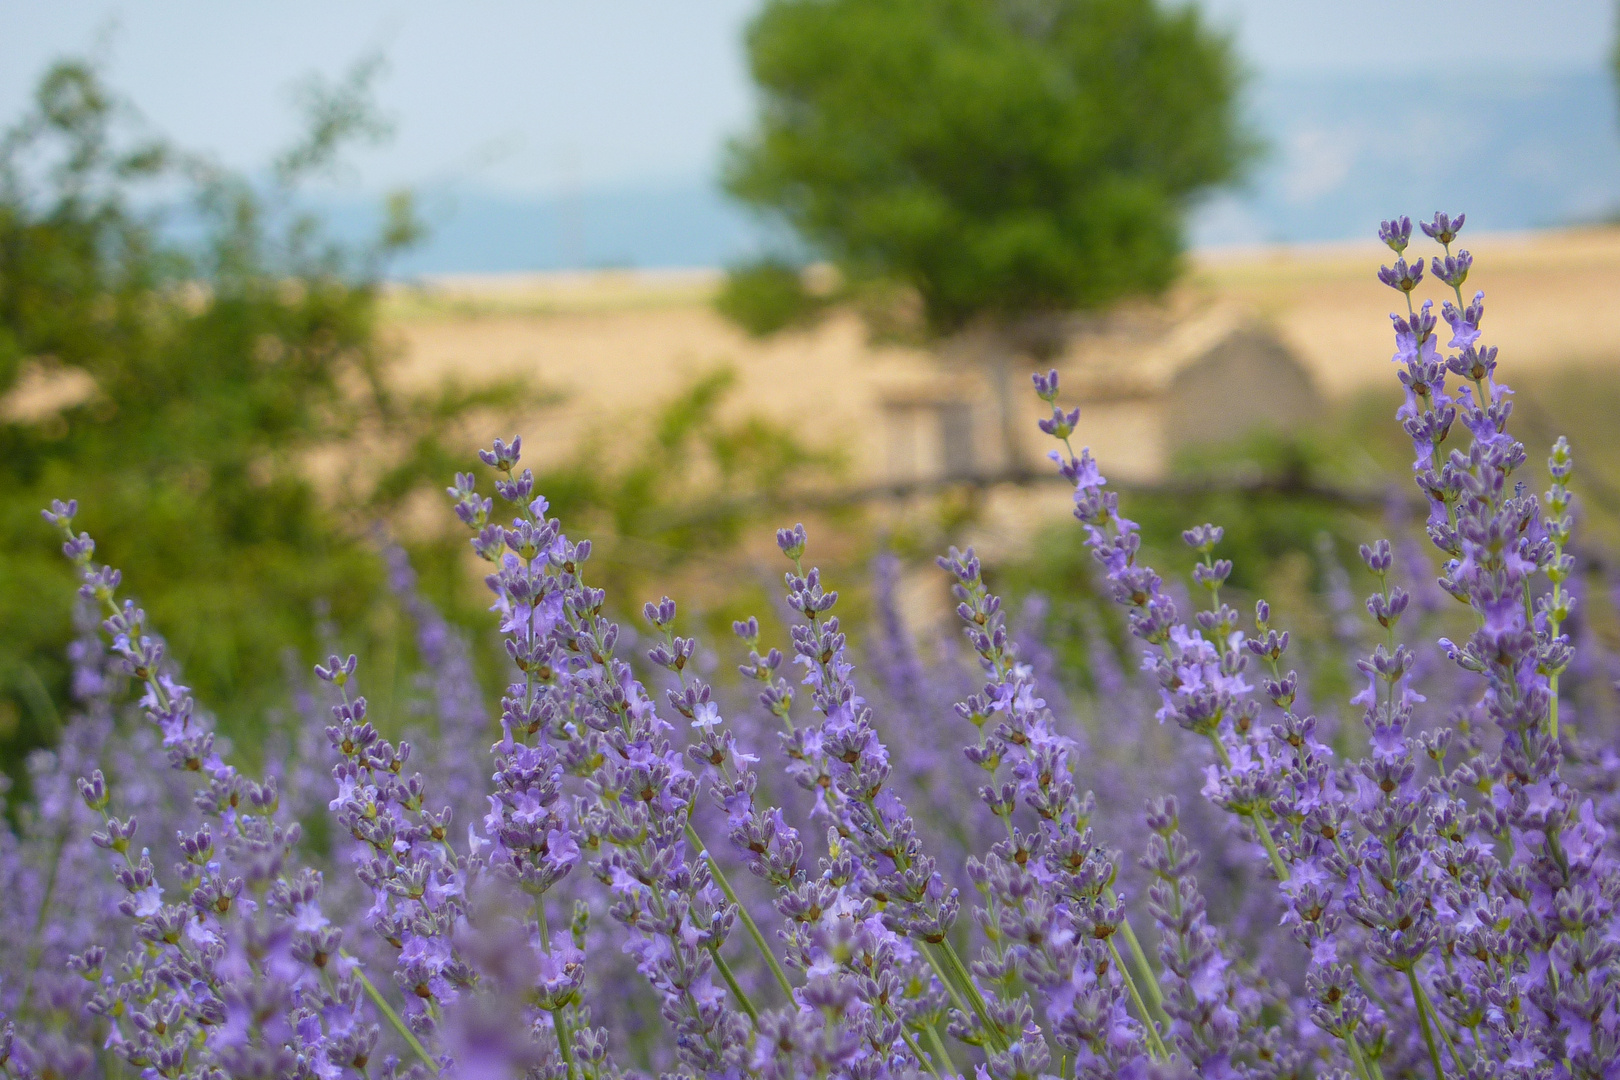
x=1150 y=382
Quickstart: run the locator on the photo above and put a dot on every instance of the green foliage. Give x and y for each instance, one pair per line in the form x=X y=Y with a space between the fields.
x=765 y=296
x=1614 y=57
x=999 y=157
x=209 y=380
x=692 y=487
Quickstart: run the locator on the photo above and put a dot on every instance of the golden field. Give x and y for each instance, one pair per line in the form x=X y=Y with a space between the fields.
x=614 y=343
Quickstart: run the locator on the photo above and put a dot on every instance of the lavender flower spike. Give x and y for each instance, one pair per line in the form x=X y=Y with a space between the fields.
x=1448 y=872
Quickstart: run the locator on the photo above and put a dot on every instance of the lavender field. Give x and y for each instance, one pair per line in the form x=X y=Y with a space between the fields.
x=874 y=855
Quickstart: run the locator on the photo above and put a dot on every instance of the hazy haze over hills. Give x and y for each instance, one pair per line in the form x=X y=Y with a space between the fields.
x=1515 y=149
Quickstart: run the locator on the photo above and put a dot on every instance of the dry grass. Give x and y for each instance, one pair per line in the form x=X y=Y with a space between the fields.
x=621 y=338
x=1549 y=300
x=615 y=344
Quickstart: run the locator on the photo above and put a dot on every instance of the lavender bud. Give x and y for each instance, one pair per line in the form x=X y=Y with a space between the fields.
x=489 y=543
x=94 y=791
x=79 y=548
x=338 y=671
x=1213 y=576
x=198 y=847
x=1378 y=557
x=792 y=541
x=1163 y=814
x=117 y=835
x=100 y=585
x=1402 y=277
x=518 y=489
x=1397 y=233
x=1561 y=463
x=660 y=614
x=502 y=457
x=1062 y=424
x=1453 y=270
x=61 y=513
x=87 y=965
x=1443 y=228
x=1046 y=386
x=1203 y=537
x=1271 y=646
x=1388 y=612
x=1282 y=692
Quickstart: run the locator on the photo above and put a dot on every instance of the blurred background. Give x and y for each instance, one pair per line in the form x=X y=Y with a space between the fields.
x=270 y=274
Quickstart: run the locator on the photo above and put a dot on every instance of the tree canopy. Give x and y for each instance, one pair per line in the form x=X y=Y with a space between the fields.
x=214 y=351
x=1002 y=157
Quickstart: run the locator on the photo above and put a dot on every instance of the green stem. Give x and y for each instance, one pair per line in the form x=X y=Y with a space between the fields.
x=1272 y=853
x=36 y=947
x=916 y=1052
x=938 y=1046
x=393 y=1017
x=991 y=1030
x=1357 y=1056
x=1445 y=1037
x=1421 y=1000
x=731 y=981
x=742 y=913
x=1259 y=822
x=1552 y=705
x=1150 y=978
x=946 y=980
x=564 y=1042
x=545 y=924
x=1553 y=622
x=1155 y=1044
x=565 y=1037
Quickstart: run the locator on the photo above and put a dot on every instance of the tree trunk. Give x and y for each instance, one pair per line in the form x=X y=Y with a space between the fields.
x=1000 y=363
x=1001 y=351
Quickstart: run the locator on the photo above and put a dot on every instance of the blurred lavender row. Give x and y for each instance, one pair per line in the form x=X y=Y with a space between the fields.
x=945 y=859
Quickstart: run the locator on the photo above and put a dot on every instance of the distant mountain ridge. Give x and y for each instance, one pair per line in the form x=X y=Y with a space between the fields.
x=1516 y=150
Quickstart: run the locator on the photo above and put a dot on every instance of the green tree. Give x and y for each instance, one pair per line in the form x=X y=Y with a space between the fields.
x=198 y=370
x=1007 y=159
x=1614 y=52
x=767 y=295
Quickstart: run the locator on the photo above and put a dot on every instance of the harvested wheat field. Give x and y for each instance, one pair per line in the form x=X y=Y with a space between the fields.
x=614 y=344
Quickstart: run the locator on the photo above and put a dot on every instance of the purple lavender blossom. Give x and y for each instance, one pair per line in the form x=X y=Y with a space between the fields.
x=462 y=725
x=1448 y=879
x=879 y=912
x=1067 y=948
x=576 y=693
x=244 y=975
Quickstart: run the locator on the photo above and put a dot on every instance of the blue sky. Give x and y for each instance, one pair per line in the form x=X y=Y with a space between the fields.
x=548 y=133
x=551 y=95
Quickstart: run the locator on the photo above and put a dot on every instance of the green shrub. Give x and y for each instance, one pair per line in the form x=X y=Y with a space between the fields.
x=181 y=392
x=765 y=296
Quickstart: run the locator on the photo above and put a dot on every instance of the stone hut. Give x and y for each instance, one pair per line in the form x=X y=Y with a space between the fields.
x=1150 y=384
x=1152 y=379
x=1150 y=387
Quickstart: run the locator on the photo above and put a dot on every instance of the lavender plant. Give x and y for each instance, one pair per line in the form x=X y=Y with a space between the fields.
x=648 y=873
